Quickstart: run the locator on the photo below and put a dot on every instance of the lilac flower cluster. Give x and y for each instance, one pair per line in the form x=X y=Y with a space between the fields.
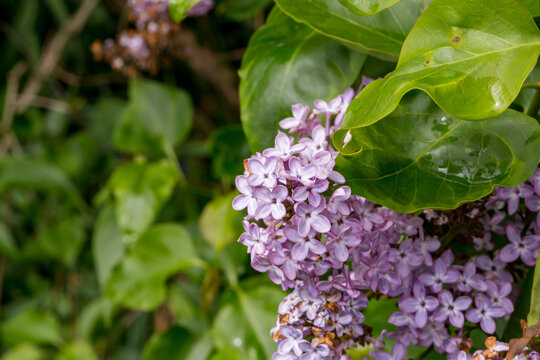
x=336 y=250
x=142 y=48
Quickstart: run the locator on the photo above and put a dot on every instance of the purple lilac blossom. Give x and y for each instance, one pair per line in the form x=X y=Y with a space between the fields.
x=331 y=248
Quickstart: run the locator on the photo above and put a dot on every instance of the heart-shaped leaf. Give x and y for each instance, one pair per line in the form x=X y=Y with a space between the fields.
x=381 y=35
x=368 y=7
x=287 y=63
x=470 y=56
x=419 y=157
x=139 y=280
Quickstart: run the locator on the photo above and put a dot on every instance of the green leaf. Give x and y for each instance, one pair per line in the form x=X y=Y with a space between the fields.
x=177 y=343
x=533 y=6
x=243 y=9
x=380 y=35
x=287 y=63
x=179 y=8
x=107 y=244
x=139 y=280
x=470 y=56
x=156 y=114
x=103 y=119
x=20 y=172
x=31 y=325
x=7 y=243
x=140 y=190
x=63 y=239
x=227 y=354
x=220 y=224
x=534 y=312
x=78 y=350
x=244 y=322
x=419 y=157
x=24 y=352
x=368 y=7
x=229 y=148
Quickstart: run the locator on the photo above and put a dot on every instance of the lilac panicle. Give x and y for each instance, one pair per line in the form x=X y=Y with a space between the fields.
x=333 y=249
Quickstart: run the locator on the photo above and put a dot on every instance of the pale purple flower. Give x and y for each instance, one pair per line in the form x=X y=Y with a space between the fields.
x=311 y=192
x=317 y=142
x=420 y=304
x=405 y=257
x=317 y=352
x=452 y=309
x=441 y=275
x=338 y=202
x=284 y=147
x=426 y=246
x=262 y=174
x=332 y=107
x=513 y=194
x=247 y=198
x=293 y=339
x=484 y=313
x=339 y=246
x=254 y=238
x=484 y=242
x=300 y=172
x=494 y=268
x=525 y=248
x=469 y=279
x=289 y=266
x=300 y=114
x=493 y=223
x=271 y=202
x=399 y=351
x=498 y=295
x=262 y=264
x=366 y=213
x=310 y=217
x=303 y=246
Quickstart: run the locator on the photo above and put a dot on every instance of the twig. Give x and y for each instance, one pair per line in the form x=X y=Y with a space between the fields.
x=50 y=104
x=91 y=80
x=48 y=62
x=8 y=140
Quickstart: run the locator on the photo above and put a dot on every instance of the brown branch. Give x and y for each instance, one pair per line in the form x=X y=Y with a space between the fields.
x=50 y=104
x=51 y=55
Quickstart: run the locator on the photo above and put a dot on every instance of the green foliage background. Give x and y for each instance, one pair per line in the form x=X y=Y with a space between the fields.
x=117 y=236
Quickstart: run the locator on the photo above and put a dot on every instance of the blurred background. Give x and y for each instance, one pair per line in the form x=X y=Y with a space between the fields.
x=119 y=144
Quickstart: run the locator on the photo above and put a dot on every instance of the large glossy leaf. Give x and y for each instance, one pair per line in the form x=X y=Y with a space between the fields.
x=533 y=6
x=287 y=63
x=368 y=7
x=420 y=157
x=381 y=35
x=156 y=114
x=470 y=56
x=139 y=279
x=139 y=190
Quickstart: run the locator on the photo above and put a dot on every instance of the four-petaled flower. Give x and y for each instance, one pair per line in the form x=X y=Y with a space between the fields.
x=420 y=304
x=452 y=309
x=484 y=313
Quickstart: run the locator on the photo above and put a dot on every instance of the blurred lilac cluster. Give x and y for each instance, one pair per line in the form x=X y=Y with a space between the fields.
x=337 y=250
x=144 y=48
